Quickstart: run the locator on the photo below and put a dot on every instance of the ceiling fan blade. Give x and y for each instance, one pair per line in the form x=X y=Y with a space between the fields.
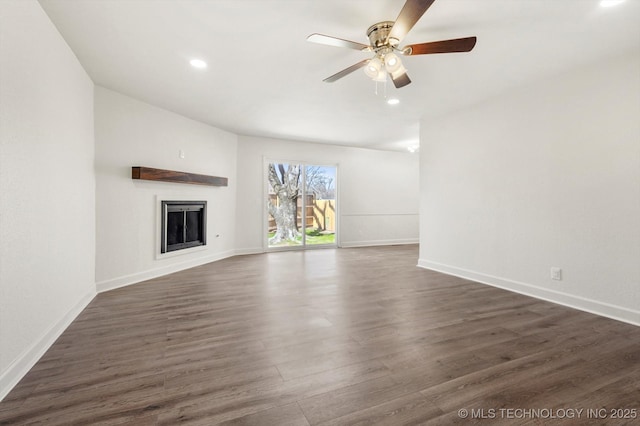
x=401 y=80
x=338 y=42
x=409 y=15
x=346 y=71
x=445 y=46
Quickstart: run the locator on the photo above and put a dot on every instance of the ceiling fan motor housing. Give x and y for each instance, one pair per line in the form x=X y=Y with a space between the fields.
x=378 y=34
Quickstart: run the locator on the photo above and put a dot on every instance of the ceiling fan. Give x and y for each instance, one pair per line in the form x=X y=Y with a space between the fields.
x=385 y=38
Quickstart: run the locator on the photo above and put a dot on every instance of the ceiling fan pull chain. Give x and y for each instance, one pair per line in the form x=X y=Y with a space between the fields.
x=384 y=87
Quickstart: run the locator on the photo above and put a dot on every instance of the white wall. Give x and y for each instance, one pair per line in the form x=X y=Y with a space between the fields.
x=377 y=191
x=132 y=133
x=547 y=175
x=47 y=188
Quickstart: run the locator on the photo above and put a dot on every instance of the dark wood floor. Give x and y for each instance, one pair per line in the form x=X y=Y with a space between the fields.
x=331 y=337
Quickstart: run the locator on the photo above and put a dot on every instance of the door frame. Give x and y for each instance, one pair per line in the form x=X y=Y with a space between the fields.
x=265 y=213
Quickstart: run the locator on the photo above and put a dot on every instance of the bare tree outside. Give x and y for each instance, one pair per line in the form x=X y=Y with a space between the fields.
x=319 y=184
x=284 y=180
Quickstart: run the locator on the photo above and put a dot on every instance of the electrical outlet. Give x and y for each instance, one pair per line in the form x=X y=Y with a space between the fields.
x=181 y=153
x=556 y=273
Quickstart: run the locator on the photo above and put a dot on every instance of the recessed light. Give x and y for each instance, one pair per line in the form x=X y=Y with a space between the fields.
x=610 y=3
x=198 y=63
x=393 y=101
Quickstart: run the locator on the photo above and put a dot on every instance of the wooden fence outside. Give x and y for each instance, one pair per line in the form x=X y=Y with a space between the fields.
x=320 y=214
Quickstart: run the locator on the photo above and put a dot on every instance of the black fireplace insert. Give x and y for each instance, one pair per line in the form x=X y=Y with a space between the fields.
x=184 y=225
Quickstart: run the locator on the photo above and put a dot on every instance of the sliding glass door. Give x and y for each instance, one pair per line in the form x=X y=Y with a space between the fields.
x=301 y=205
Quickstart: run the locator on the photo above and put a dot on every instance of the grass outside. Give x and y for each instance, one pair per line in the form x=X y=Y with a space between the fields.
x=314 y=237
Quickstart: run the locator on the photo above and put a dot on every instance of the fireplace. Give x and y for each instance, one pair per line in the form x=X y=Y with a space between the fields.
x=184 y=225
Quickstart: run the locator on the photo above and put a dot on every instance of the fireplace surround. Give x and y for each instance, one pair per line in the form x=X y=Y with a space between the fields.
x=184 y=225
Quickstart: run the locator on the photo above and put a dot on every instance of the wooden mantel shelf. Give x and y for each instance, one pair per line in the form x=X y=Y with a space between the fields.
x=148 y=173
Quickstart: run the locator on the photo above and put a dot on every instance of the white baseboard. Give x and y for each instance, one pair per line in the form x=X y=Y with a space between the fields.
x=618 y=313
x=126 y=280
x=21 y=365
x=370 y=243
x=242 y=252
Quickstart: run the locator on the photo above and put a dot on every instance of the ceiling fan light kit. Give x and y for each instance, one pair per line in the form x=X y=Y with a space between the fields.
x=384 y=39
x=392 y=63
x=374 y=67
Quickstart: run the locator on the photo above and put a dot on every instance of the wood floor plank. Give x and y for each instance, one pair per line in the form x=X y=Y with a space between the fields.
x=411 y=409
x=286 y=415
x=232 y=402
x=330 y=405
x=459 y=392
x=324 y=337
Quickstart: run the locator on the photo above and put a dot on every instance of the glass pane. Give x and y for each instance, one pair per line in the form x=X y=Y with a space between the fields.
x=285 y=205
x=320 y=187
x=194 y=226
x=175 y=228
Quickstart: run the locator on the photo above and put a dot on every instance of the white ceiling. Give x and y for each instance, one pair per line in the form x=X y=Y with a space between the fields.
x=265 y=79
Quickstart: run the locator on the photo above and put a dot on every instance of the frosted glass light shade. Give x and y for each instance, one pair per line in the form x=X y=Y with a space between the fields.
x=373 y=68
x=381 y=77
x=391 y=62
